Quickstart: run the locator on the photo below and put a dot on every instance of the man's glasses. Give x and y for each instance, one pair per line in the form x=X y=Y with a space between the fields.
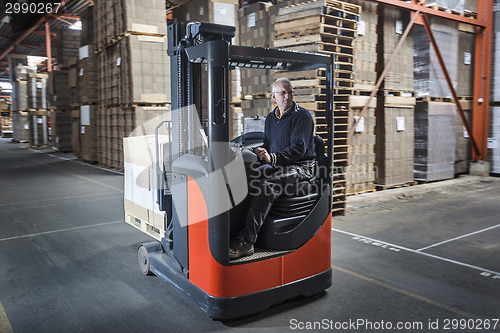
x=283 y=93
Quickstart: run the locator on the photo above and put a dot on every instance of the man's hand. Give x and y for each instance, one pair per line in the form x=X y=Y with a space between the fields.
x=262 y=154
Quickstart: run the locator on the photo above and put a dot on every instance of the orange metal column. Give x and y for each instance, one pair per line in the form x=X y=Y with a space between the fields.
x=48 y=45
x=482 y=77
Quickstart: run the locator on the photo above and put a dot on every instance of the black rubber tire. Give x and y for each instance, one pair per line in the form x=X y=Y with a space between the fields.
x=143 y=258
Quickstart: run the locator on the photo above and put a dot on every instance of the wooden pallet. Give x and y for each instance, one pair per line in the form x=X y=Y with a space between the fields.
x=434 y=99
x=296 y=30
x=143 y=225
x=388 y=187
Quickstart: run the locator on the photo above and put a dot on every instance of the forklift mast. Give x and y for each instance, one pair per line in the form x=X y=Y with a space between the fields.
x=202 y=131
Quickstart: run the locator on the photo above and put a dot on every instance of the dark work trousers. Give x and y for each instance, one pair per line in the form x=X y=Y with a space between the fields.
x=269 y=184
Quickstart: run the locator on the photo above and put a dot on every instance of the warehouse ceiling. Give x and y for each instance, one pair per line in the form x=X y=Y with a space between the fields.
x=18 y=17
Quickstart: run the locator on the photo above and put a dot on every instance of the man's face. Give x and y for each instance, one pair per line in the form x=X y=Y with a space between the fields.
x=283 y=96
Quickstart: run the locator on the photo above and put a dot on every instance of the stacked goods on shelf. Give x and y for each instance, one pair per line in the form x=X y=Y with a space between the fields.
x=61 y=131
x=365 y=47
x=58 y=94
x=429 y=78
x=361 y=166
x=38 y=128
x=68 y=42
x=324 y=26
x=6 y=124
x=470 y=8
x=394 y=148
x=133 y=72
x=395 y=105
x=75 y=132
x=30 y=118
x=14 y=61
x=18 y=70
x=392 y=22
x=5 y=120
x=254 y=24
x=20 y=126
x=37 y=109
x=465 y=64
x=255 y=83
x=74 y=82
x=463 y=146
x=435 y=126
x=495 y=135
x=88 y=75
x=453 y=6
x=37 y=90
x=361 y=169
x=86 y=96
x=494 y=153
x=465 y=78
x=223 y=12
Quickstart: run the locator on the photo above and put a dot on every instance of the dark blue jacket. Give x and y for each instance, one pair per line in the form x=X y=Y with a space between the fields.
x=289 y=140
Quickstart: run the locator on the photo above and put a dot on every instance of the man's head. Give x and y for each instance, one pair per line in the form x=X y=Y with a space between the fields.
x=282 y=94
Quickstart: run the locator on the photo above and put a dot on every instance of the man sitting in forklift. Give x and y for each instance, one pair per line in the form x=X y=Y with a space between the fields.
x=287 y=156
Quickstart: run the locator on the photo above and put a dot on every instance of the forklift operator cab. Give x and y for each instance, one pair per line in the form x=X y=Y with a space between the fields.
x=203 y=186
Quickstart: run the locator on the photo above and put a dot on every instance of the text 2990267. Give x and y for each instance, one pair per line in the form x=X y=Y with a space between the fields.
x=31 y=7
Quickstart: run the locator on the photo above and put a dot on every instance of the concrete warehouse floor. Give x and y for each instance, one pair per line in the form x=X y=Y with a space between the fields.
x=421 y=257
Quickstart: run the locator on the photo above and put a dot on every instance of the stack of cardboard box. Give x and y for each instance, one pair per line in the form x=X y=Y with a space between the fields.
x=133 y=71
x=255 y=30
x=395 y=105
x=361 y=169
x=435 y=125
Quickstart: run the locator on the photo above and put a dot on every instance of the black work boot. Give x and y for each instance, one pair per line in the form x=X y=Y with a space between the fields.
x=240 y=247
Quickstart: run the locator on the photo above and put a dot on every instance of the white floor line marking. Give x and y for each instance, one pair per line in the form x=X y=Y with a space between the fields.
x=56 y=199
x=60 y=230
x=459 y=237
x=90 y=165
x=420 y=253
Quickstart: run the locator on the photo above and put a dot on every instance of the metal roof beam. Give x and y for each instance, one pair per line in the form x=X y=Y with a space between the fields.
x=25 y=34
x=432 y=11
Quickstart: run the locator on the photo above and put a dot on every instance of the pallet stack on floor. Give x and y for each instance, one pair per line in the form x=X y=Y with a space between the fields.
x=5 y=120
x=329 y=27
x=63 y=93
x=395 y=104
x=29 y=103
x=20 y=124
x=133 y=71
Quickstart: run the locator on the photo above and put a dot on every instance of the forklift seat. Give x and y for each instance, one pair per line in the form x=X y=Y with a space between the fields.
x=288 y=212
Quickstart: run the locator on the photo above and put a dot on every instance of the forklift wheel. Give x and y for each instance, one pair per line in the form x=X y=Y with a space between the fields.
x=143 y=257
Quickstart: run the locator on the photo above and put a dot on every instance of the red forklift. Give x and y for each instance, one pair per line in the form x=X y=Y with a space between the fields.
x=200 y=173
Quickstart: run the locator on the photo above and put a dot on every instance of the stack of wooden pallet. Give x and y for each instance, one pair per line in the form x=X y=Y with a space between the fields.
x=133 y=71
x=324 y=26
